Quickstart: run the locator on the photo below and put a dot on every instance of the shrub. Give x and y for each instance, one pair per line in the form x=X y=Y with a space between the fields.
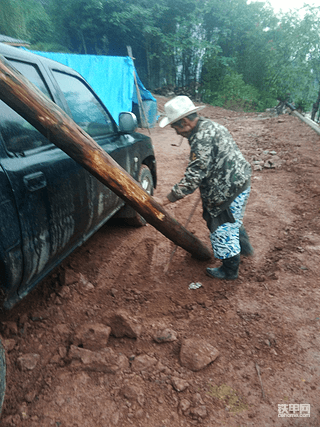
x=234 y=94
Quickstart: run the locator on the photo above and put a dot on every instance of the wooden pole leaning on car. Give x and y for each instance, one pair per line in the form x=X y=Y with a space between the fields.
x=26 y=99
x=140 y=103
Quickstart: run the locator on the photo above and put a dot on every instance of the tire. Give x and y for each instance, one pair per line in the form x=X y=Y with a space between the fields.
x=2 y=375
x=146 y=181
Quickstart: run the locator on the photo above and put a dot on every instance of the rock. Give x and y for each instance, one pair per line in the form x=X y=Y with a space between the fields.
x=132 y=392
x=65 y=292
x=179 y=384
x=69 y=277
x=122 y=325
x=199 y=412
x=257 y=168
x=115 y=417
x=105 y=360
x=139 y=413
x=268 y=164
x=40 y=316
x=277 y=162
x=143 y=363
x=56 y=299
x=196 y=354
x=56 y=313
x=9 y=344
x=28 y=362
x=113 y=292
x=160 y=367
x=92 y=336
x=10 y=328
x=30 y=396
x=264 y=157
x=84 y=283
x=62 y=352
x=197 y=399
x=23 y=410
x=55 y=359
x=165 y=335
x=23 y=319
x=62 y=330
x=184 y=405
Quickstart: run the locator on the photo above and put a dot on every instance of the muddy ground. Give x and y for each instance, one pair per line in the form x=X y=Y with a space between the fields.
x=265 y=324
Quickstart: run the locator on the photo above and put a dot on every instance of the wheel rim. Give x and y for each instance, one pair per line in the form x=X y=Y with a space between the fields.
x=146 y=184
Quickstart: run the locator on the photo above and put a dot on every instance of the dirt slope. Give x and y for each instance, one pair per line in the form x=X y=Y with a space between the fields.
x=265 y=324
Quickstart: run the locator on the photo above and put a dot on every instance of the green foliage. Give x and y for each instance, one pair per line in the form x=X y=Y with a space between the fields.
x=24 y=19
x=8 y=18
x=12 y=20
x=40 y=29
x=294 y=57
x=49 y=47
x=302 y=105
x=234 y=94
x=215 y=69
x=79 y=25
x=241 y=54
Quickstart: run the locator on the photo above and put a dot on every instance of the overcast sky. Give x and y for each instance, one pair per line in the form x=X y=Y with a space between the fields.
x=286 y=5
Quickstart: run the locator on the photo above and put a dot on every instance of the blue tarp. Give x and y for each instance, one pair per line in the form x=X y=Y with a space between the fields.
x=111 y=77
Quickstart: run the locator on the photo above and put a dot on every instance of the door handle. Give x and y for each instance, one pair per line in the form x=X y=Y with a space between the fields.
x=35 y=181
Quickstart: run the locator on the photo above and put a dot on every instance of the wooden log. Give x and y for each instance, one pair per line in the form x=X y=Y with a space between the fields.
x=140 y=103
x=305 y=120
x=26 y=99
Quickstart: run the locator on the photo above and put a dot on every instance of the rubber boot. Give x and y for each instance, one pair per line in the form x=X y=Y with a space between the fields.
x=245 y=245
x=227 y=271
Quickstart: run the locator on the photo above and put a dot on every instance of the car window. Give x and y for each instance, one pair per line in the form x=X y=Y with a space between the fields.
x=85 y=108
x=33 y=74
x=18 y=134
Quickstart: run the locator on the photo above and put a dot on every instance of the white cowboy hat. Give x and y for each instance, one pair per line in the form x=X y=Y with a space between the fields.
x=177 y=108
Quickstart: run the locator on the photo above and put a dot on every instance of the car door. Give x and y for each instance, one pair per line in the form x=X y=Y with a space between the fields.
x=11 y=261
x=50 y=189
x=88 y=112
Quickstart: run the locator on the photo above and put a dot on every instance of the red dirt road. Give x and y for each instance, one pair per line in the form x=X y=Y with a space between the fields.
x=265 y=324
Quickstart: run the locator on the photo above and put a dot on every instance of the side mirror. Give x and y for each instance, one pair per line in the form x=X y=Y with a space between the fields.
x=128 y=122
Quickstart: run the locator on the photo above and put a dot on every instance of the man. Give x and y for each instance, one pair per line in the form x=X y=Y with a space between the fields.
x=218 y=168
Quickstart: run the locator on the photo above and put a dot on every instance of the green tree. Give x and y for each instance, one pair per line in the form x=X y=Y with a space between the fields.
x=8 y=19
x=294 y=56
x=242 y=34
x=25 y=19
x=79 y=25
x=235 y=50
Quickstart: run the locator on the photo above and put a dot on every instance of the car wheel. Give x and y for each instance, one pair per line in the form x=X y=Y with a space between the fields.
x=146 y=181
x=2 y=375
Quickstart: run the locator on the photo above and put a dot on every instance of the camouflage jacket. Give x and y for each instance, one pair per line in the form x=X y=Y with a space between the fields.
x=216 y=166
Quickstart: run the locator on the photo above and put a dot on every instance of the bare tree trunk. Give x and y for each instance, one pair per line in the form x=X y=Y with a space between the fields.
x=83 y=42
x=54 y=123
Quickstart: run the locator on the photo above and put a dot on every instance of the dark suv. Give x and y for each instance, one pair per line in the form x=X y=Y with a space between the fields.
x=49 y=204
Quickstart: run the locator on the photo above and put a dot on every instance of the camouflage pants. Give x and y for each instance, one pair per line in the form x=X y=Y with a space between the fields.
x=225 y=240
